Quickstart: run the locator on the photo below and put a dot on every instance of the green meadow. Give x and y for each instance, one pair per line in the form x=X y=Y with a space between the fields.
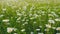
x=29 y=16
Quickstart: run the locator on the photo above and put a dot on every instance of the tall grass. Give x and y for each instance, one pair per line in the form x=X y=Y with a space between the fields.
x=27 y=17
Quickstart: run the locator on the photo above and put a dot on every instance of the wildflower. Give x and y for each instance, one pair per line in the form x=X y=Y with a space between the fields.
x=1 y=15
x=23 y=20
x=40 y=33
x=53 y=27
x=37 y=29
x=32 y=7
x=23 y=30
x=54 y=14
x=57 y=19
x=4 y=9
x=15 y=29
x=31 y=32
x=58 y=28
x=40 y=26
x=51 y=21
x=25 y=23
x=48 y=25
x=9 y=30
x=6 y=20
x=30 y=15
x=50 y=15
x=24 y=8
x=15 y=33
x=35 y=15
x=46 y=30
x=32 y=18
x=19 y=14
x=57 y=33
x=18 y=18
x=34 y=22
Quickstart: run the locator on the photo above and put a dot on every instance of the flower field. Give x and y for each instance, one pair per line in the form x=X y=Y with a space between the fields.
x=29 y=17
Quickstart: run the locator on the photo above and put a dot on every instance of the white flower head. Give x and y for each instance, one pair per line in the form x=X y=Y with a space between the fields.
x=48 y=25
x=58 y=28
x=53 y=27
x=1 y=15
x=25 y=23
x=51 y=21
x=24 y=7
x=9 y=30
x=18 y=18
x=46 y=30
x=35 y=15
x=32 y=32
x=57 y=19
x=37 y=29
x=50 y=15
x=40 y=26
x=30 y=14
x=19 y=14
x=40 y=33
x=32 y=18
x=15 y=33
x=34 y=22
x=5 y=20
x=23 y=20
x=57 y=33
x=23 y=30
x=4 y=9
x=15 y=29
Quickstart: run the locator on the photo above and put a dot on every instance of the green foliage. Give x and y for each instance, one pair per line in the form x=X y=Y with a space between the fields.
x=25 y=17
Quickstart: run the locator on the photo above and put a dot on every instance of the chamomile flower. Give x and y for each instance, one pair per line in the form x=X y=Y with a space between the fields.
x=5 y=20
x=51 y=21
x=9 y=30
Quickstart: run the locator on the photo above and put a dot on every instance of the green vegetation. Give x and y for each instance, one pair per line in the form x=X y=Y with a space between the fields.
x=27 y=17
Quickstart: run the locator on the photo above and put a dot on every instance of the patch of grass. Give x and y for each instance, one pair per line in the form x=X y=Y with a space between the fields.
x=25 y=17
